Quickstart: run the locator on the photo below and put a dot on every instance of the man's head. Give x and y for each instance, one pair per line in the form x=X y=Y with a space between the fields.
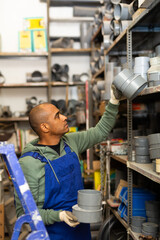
x=45 y=119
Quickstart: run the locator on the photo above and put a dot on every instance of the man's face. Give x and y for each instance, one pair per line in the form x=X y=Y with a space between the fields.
x=57 y=122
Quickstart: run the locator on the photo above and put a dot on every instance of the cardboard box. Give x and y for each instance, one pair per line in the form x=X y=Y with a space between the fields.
x=121 y=184
x=96 y=165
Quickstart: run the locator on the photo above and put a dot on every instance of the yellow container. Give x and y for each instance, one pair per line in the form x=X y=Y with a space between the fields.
x=97 y=180
x=34 y=23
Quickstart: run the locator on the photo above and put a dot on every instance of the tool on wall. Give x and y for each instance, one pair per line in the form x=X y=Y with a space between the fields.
x=31 y=216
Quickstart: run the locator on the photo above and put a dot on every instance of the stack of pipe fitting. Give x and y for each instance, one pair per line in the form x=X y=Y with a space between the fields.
x=122 y=17
x=141 y=149
x=141 y=66
x=154 y=72
x=97 y=60
x=107 y=31
x=89 y=207
x=136 y=223
x=150 y=229
x=153 y=211
x=154 y=150
x=60 y=72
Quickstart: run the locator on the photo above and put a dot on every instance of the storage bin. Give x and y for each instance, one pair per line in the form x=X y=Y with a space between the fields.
x=121 y=209
x=139 y=197
x=135 y=212
x=124 y=189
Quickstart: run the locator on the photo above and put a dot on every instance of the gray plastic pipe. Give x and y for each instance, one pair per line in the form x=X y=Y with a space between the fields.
x=89 y=34
x=116 y=27
x=109 y=79
x=84 y=11
x=83 y=31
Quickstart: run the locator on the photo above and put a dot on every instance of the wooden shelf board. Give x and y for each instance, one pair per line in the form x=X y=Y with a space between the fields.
x=72 y=20
x=19 y=54
x=41 y=84
x=14 y=119
x=63 y=84
x=96 y=33
x=150 y=90
x=115 y=42
x=144 y=169
x=24 y=85
x=134 y=235
x=98 y=73
x=120 y=158
x=118 y=217
x=70 y=50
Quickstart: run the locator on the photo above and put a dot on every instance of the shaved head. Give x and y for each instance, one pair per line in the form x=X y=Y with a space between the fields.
x=39 y=115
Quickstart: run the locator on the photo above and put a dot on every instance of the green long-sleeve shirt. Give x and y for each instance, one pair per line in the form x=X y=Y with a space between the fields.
x=34 y=170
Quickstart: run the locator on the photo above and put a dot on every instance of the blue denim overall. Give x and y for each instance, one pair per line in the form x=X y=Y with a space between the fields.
x=61 y=186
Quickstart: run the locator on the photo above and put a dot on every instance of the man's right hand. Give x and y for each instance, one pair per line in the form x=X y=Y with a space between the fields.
x=69 y=218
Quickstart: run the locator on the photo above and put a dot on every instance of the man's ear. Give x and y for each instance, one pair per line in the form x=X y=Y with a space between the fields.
x=44 y=127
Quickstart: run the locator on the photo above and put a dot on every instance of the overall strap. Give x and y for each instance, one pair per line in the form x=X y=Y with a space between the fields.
x=67 y=148
x=35 y=155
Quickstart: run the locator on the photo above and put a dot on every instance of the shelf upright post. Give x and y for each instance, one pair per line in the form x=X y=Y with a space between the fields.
x=49 y=89
x=129 y=132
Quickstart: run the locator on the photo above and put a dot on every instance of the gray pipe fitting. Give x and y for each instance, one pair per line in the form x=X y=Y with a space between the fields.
x=141 y=141
x=116 y=27
x=137 y=221
x=115 y=1
x=101 y=85
x=142 y=151
x=89 y=199
x=107 y=41
x=121 y=12
x=150 y=227
x=129 y=84
x=89 y=207
x=116 y=70
x=87 y=216
x=63 y=43
x=106 y=28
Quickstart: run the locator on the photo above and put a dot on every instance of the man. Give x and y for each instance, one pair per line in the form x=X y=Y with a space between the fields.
x=52 y=169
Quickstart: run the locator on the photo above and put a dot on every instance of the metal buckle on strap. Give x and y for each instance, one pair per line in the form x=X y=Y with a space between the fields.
x=35 y=155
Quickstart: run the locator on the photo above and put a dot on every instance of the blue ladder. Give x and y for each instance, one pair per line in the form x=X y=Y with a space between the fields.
x=31 y=216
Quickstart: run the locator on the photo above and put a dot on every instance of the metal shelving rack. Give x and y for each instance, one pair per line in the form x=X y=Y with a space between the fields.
x=61 y=51
x=137 y=38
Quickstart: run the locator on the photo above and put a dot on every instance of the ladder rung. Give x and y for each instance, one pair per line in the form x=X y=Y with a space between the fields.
x=13 y=220
x=9 y=201
x=1 y=164
x=6 y=182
